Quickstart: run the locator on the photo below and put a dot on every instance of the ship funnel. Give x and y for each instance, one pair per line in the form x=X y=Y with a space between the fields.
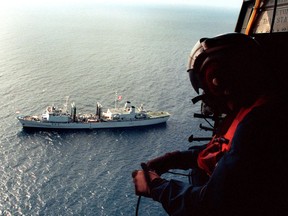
x=133 y=109
x=127 y=105
x=73 y=111
x=98 y=109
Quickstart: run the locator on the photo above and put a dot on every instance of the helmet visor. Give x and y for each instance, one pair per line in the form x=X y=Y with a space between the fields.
x=191 y=69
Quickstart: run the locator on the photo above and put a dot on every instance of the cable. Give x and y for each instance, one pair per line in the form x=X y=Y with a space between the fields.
x=147 y=177
x=209 y=123
x=137 y=206
x=252 y=17
x=273 y=18
x=148 y=181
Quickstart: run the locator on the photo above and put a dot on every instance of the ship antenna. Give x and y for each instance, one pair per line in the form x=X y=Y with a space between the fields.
x=115 y=100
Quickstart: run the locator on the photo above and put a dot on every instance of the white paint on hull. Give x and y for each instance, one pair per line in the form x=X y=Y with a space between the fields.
x=94 y=125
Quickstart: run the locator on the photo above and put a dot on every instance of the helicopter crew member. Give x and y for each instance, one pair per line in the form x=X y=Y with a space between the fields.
x=245 y=163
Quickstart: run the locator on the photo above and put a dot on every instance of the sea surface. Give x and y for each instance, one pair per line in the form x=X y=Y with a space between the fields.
x=89 y=52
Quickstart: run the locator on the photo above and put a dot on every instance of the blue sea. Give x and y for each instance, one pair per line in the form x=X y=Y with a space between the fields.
x=88 y=52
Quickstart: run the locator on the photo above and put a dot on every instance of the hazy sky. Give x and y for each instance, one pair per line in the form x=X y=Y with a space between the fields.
x=221 y=3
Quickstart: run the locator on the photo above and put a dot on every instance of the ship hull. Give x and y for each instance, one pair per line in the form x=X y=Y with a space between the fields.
x=91 y=125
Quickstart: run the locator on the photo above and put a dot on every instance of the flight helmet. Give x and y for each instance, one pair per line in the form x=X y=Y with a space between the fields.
x=228 y=67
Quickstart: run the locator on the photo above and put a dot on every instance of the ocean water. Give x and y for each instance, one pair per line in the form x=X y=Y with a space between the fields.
x=88 y=52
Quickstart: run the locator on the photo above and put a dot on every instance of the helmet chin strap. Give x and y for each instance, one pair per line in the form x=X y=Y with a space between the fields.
x=218 y=105
x=202 y=98
x=198 y=98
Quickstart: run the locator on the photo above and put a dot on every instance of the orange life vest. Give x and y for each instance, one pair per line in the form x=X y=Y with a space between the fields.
x=208 y=158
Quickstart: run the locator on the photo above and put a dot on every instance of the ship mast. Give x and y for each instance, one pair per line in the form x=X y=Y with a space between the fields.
x=66 y=104
x=116 y=95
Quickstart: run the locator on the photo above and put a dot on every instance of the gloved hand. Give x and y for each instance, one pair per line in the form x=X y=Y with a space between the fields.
x=141 y=186
x=163 y=163
x=174 y=160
